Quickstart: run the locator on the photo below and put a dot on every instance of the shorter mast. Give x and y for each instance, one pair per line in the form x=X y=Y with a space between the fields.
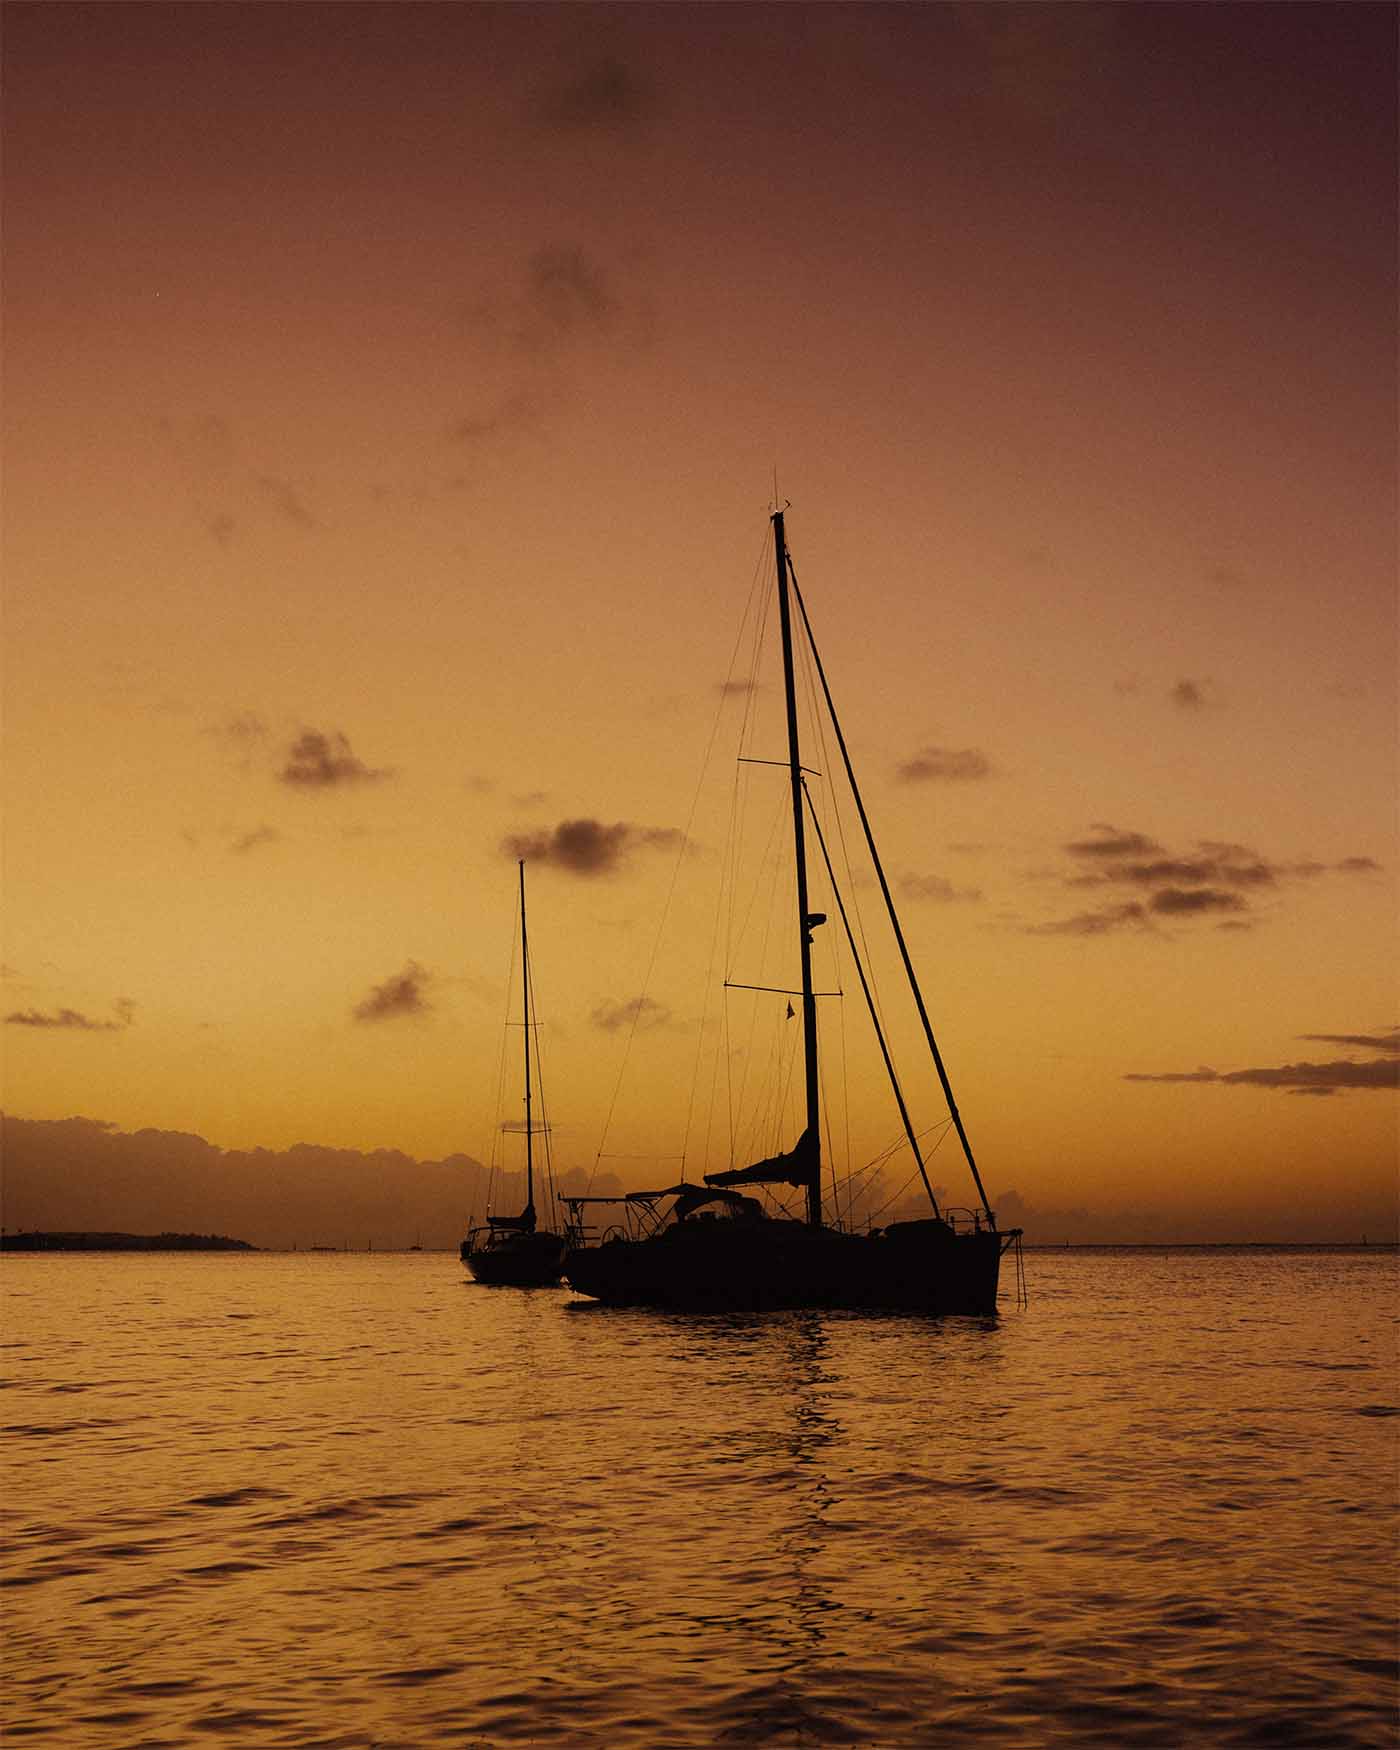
x=528 y=1213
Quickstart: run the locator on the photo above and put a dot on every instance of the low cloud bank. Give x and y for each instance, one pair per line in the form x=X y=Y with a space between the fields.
x=85 y=1175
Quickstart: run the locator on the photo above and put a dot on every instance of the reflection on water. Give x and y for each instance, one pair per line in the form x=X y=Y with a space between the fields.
x=360 y=1501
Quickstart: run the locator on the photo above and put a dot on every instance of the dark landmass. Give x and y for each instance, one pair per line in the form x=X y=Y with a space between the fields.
x=63 y=1242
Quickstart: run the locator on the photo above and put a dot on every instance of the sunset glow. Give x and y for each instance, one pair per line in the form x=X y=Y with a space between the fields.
x=394 y=396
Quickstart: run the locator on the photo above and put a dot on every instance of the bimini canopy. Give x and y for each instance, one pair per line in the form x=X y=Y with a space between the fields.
x=691 y=1197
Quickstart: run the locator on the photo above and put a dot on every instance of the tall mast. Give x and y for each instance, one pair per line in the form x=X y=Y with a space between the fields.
x=805 y=919
x=525 y=979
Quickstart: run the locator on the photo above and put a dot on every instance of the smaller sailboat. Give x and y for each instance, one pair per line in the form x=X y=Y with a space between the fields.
x=511 y=1251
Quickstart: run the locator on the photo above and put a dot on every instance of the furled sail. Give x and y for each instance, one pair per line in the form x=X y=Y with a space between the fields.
x=798 y=1167
x=522 y=1223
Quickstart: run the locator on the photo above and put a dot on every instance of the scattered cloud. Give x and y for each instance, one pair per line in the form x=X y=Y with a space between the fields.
x=243 y=728
x=585 y=846
x=510 y=413
x=937 y=888
x=561 y=294
x=404 y=994
x=319 y=762
x=608 y=97
x=1185 y=902
x=240 y=738
x=1131 y=914
x=74 y=1019
x=945 y=763
x=1189 y=1075
x=1217 y=877
x=224 y=493
x=1303 y=1078
x=565 y=293
x=285 y=500
x=249 y=841
x=1384 y=1042
x=740 y=689
x=540 y=330
x=1382 y=1071
x=1244 y=870
x=1111 y=843
x=643 y=1013
x=1187 y=695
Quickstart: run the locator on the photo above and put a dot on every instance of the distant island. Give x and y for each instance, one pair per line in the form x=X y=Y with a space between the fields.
x=64 y=1242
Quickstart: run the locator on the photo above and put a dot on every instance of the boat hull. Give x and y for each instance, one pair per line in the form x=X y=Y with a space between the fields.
x=698 y=1266
x=521 y=1261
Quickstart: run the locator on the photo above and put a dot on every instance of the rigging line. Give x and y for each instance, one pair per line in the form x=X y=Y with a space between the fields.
x=820 y=719
x=683 y=847
x=874 y=1016
x=749 y=1056
x=648 y=1156
x=768 y=1119
x=786 y=1056
x=768 y=859
x=893 y=914
x=779 y=990
x=816 y=721
x=931 y=1153
x=830 y=1148
x=761 y=589
x=889 y=1201
x=910 y=1180
x=724 y=918
x=726 y=910
x=878 y=1161
x=494 y=1158
x=752 y=625
x=759 y=1121
x=553 y=1195
x=846 y=1114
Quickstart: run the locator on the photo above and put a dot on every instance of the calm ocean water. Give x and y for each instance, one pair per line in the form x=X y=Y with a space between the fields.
x=359 y=1501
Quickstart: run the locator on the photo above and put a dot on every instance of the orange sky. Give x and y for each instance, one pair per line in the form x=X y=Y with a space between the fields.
x=393 y=398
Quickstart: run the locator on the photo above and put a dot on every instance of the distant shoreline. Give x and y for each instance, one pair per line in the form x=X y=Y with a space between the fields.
x=1211 y=1245
x=107 y=1242
x=47 y=1241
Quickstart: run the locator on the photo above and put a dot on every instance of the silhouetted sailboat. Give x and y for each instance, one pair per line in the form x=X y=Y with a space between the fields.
x=715 y=1248
x=510 y=1251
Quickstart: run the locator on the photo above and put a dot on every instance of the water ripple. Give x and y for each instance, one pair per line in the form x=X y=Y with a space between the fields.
x=1150 y=1511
